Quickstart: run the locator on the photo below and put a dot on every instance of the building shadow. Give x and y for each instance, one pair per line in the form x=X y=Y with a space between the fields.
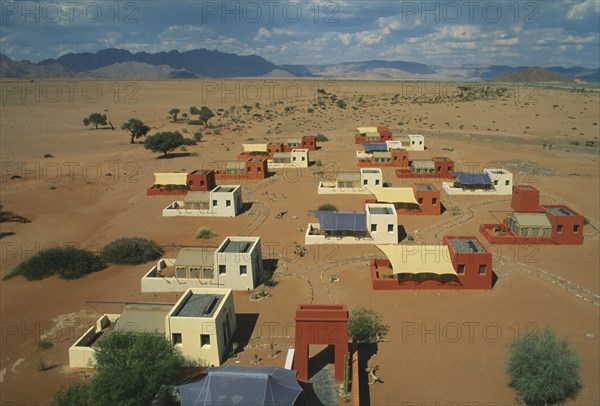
x=246 y=322
x=442 y=208
x=401 y=233
x=308 y=397
x=365 y=353
x=246 y=206
x=6 y=234
x=320 y=360
x=494 y=279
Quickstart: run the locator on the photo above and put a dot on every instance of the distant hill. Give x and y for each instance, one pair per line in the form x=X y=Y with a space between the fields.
x=200 y=62
x=532 y=75
x=26 y=69
x=375 y=69
x=137 y=70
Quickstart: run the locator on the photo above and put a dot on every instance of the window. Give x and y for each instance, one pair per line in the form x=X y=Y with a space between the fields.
x=376 y=182
x=461 y=269
x=293 y=158
x=439 y=168
x=390 y=228
x=373 y=228
x=482 y=269
x=204 y=340
x=303 y=158
x=243 y=270
x=201 y=183
x=434 y=200
x=191 y=183
x=506 y=182
x=214 y=203
x=259 y=169
x=176 y=338
x=496 y=182
x=575 y=228
x=227 y=203
x=365 y=182
x=449 y=169
x=559 y=228
x=222 y=269
x=420 y=142
x=420 y=200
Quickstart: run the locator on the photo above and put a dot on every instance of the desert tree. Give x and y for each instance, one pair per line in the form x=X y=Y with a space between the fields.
x=173 y=113
x=205 y=115
x=164 y=142
x=95 y=119
x=366 y=326
x=543 y=368
x=136 y=128
x=131 y=367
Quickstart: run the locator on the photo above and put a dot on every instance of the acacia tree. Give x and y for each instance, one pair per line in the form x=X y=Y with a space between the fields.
x=164 y=142
x=173 y=113
x=95 y=119
x=136 y=128
x=366 y=325
x=543 y=368
x=205 y=115
x=131 y=367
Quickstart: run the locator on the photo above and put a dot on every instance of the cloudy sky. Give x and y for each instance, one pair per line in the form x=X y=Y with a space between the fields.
x=453 y=33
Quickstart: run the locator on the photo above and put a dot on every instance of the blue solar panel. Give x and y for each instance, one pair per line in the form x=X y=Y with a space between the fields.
x=375 y=146
x=342 y=220
x=472 y=178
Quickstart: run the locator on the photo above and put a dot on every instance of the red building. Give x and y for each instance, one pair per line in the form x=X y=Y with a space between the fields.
x=320 y=324
x=178 y=184
x=252 y=168
x=438 y=167
x=394 y=157
x=460 y=263
x=532 y=223
x=372 y=134
x=308 y=142
x=420 y=199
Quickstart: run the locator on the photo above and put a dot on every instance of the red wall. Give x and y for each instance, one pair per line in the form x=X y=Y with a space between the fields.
x=525 y=199
x=471 y=279
x=431 y=205
x=201 y=181
x=320 y=324
x=567 y=235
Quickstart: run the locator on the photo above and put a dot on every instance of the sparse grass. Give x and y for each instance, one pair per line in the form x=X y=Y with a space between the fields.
x=205 y=233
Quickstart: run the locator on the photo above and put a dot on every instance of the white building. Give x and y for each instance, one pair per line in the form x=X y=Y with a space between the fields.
x=352 y=182
x=488 y=182
x=377 y=225
x=297 y=157
x=235 y=264
x=201 y=324
x=222 y=201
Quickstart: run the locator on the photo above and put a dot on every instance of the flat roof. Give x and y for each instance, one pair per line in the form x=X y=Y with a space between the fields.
x=525 y=187
x=532 y=219
x=190 y=256
x=239 y=246
x=224 y=189
x=201 y=196
x=199 y=305
x=368 y=170
x=424 y=186
x=148 y=317
x=257 y=159
x=348 y=176
x=202 y=171
x=559 y=211
x=466 y=245
x=375 y=146
x=341 y=220
x=381 y=210
x=423 y=164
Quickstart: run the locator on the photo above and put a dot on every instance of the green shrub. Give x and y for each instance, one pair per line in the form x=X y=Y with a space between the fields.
x=197 y=136
x=365 y=325
x=131 y=251
x=321 y=137
x=327 y=207
x=75 y=395
x=217 y=130
x=543 y=368
x=195 y=122
x=189 y=141
x=205 y=233
x=67 y=262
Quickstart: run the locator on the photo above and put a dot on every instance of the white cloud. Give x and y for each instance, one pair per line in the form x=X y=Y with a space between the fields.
x=507 y=41
x=264 y=33
x=369 y=37
x=345 y=38
x=583 y=9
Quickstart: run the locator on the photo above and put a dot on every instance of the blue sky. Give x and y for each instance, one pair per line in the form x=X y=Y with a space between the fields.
x=451 y=33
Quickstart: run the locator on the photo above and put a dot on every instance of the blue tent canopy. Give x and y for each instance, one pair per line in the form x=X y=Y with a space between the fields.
x=375 y=146
x=341 y=220
x=472 y=178
x=237 y=385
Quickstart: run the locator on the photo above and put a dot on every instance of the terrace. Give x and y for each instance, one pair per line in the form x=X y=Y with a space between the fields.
x=199 y=305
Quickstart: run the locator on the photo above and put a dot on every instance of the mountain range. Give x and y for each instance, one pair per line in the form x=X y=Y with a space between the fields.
x=198 y=63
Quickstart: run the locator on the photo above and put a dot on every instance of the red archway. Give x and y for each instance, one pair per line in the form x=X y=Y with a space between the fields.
x=320 y=324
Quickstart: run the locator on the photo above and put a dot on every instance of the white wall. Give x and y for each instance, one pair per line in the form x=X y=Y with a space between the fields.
x=382 y=222
x=502 y=180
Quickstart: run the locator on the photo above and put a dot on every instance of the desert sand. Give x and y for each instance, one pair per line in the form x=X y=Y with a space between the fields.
x=442 y=347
